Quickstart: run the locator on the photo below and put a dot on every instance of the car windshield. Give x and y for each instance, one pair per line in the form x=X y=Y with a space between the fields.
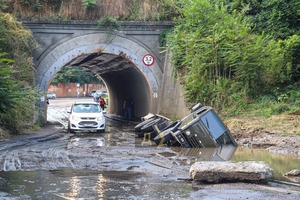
x=86 y=108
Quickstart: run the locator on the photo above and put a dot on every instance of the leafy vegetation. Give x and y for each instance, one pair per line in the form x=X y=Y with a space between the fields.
x=278 y=18
x=156 y=10
x=226 y=61
x=17 y=95
x=111 y=24
x=88 y=4
x=76 y=75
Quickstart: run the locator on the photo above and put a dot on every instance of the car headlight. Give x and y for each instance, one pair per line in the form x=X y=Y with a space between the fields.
x=99 y=118
x=75 y=118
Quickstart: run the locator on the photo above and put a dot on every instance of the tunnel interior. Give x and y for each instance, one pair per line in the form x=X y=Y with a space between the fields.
x=122 y=78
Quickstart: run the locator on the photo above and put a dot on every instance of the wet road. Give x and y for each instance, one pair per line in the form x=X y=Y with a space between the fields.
x=111 y=165
x=114 y=164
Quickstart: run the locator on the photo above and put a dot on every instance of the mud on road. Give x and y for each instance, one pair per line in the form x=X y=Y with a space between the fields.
x=117 y=149
x=137 y=169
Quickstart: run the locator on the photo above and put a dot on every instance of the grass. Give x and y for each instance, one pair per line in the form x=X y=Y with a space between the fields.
x=276 y=124
x=266 y=115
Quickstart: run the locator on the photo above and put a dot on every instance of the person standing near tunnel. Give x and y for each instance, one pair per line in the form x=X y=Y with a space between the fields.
x=128 y=108
x=102 y=102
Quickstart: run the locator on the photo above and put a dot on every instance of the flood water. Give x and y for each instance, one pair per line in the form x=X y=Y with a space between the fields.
x=69 y=183
x=113 y=165
x=87 y=184
x=281 y=164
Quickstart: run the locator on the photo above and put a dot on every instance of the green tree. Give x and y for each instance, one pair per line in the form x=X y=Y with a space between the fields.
x=217 y=54
x=16 y=100
x=274 y=17
x=76 y=75
x=17 y=95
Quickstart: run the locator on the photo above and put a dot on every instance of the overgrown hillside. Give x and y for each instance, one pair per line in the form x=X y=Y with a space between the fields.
x=92 y=9
x=17 y=95
x=226 y=60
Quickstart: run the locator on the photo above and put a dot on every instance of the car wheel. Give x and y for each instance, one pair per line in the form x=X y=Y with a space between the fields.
x=69 y=129
x=101 y=131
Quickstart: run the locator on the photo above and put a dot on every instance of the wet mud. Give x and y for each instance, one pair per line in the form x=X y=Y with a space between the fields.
x=53 y=164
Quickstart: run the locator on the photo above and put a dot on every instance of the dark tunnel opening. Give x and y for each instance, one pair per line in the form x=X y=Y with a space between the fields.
x=122 y=79
x=127 y=83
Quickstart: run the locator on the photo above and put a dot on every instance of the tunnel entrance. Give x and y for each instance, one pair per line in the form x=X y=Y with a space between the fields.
x=119 y=62
x=122 y=79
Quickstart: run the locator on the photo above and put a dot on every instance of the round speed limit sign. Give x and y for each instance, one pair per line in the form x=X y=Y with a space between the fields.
x=148 y=59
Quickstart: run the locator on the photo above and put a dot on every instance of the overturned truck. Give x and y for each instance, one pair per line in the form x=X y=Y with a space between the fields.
x=200 y=129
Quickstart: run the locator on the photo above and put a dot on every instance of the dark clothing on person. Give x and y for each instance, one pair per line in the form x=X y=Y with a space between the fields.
x=128 y=107
x=96 y=98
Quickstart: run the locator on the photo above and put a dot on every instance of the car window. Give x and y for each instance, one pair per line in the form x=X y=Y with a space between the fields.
x=86 y=108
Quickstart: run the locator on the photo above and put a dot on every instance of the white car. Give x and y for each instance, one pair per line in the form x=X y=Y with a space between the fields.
x=87 y=117
x=96 y=92
x=51 y=95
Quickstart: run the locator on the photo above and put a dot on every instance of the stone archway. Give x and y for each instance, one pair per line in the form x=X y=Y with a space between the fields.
x=131 y=78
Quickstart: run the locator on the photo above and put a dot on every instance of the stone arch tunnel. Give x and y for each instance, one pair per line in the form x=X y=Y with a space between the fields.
x=122 y=78
x=121 y=69
x=116 y=57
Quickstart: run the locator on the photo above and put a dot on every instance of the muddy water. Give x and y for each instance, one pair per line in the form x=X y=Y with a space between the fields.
x=87 y=184
x=281 y=164
x=100 y=166
x=111 y=165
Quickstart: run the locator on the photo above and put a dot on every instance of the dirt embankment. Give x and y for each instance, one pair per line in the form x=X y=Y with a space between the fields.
x=279 y=134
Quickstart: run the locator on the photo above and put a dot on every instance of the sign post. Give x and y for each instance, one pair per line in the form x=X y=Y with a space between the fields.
x=148 y=59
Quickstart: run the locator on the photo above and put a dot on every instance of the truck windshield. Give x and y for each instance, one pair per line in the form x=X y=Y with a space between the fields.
x=213 y=124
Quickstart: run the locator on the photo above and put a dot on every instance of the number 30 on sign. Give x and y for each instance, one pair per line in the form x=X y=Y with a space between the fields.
x=148 y=59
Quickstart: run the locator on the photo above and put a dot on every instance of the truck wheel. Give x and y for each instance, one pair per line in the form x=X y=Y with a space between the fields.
x=143 y=123
x=148 y=127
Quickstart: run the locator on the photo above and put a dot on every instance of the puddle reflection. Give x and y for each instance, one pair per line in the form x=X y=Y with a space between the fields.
x=222 y=153
x=87 y=185
x=67 y=183
x=281 y=164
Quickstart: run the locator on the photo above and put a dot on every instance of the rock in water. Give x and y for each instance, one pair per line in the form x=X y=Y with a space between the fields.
x=215 y=172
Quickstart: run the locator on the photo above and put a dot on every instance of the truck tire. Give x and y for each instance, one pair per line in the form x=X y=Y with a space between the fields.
x=149 y=126
x=138 y=127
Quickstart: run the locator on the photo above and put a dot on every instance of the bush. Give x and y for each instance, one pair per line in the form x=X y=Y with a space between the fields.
x=87 y=4
x=17 y=95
